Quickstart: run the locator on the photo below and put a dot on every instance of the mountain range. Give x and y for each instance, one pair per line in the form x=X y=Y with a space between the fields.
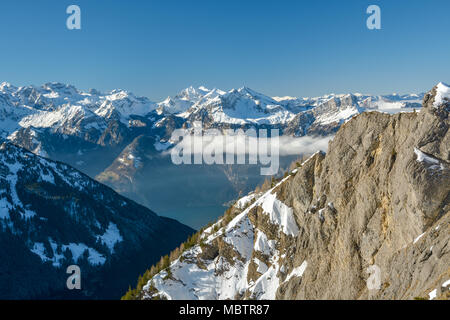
x=122 y=139
x=369 y=219
x=60 y=146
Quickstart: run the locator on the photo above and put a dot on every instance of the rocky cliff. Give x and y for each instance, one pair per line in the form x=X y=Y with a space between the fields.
x=368 y=220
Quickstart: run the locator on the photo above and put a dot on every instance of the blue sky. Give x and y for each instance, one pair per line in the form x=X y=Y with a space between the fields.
x=298 y=48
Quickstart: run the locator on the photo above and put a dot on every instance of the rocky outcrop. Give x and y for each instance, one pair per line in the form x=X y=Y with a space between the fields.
x=368 y=220
x=387 y=180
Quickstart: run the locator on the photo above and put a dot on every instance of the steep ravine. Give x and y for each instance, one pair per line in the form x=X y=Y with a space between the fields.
x=376 y=204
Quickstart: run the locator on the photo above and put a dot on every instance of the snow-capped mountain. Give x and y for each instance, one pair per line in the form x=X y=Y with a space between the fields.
x=246 y=106
x=377 y=200
x=183 y=101
x=238 y=107
x=52 y=216
x=93 y=131
x=65 y=110
x=60 y=122
x=68 y=110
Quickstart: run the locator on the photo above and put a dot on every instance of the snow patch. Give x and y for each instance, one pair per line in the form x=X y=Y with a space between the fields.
x=162 y=146
x=261 y=267
x=442 y=94
x=418 y=238
x=279 y=214
x=263 y=245
x=432 y=294
x=422 y=157
x=297 y=272
x=77 y=250
x=111 y=237
x=244 y=201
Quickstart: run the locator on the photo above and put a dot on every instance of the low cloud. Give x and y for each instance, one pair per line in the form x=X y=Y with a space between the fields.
x=242 y=149
x=298 y=145
x=287 y=145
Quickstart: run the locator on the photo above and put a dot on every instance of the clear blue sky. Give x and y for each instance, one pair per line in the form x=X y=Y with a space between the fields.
x=299 y=48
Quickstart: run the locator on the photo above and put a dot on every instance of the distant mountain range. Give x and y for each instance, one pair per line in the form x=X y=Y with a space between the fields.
x=65 y=110
x=121 y=139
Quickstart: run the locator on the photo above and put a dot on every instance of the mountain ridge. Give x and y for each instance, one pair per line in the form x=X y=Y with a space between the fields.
x=367 y=220
x=52 y=216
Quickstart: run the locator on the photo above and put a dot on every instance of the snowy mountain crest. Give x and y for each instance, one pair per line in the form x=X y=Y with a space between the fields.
x=292 y=237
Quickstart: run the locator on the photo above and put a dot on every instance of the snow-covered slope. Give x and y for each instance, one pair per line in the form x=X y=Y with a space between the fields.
x=52 y=215
x=378 y=200
x=246 y=250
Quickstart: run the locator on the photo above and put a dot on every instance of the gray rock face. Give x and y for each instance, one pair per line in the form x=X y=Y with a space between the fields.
x=387 y=178
x=368 y=220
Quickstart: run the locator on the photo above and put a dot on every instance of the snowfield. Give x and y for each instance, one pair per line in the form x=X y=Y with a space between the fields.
x=220 y=278
x=15 y=164
x=442 y=94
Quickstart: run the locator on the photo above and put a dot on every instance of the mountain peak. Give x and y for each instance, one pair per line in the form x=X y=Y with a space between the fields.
x=192 y=92
x=203 y=88
x=438 y=96
x=246 y=89
x=442 y=94
x=4 y=86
